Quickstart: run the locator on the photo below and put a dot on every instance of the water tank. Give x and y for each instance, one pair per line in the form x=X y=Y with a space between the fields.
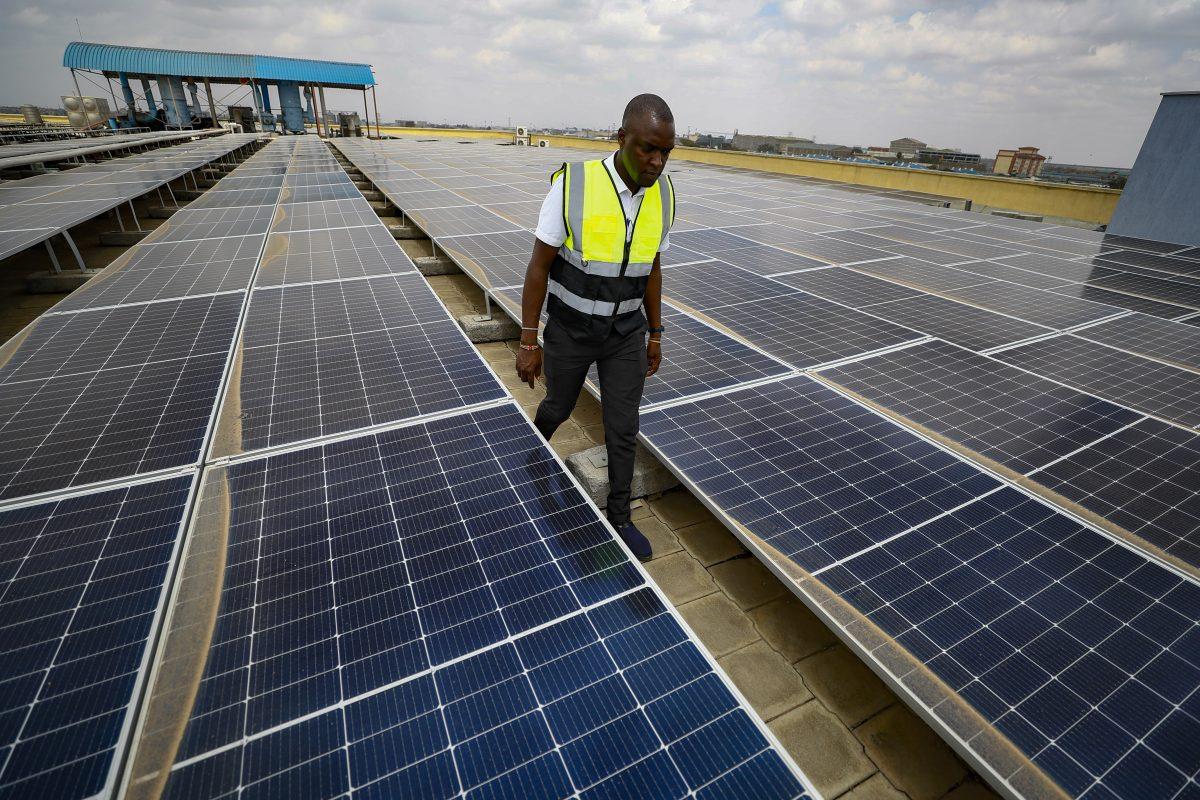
x=350 y=124
x=85 y=112
x=32 y=115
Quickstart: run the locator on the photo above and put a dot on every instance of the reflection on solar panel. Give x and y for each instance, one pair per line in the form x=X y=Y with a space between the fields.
x=1077 y=650
x=1155 y=388
x=847 y=287
x=1149 y=336
x=699 y=358
x=324 y=358
x=108 y=394
x=189 y=223
x=1034 y=305
x=766 y=260
x=1122 y=300
x=808 y=472
x=171 y=270
x=335 y=254
x=968 y=326
x=710 y=284
x=327 y=214
x=464 y=620
x=922 y=274
x=1164 y=289
x=502 y=257
x=83 y=581
x=1011 y=417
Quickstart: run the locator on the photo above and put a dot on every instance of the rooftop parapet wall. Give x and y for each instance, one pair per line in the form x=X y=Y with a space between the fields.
x=1086 y=203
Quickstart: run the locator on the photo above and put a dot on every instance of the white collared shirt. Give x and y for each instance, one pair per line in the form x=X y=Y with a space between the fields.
x=552 y=229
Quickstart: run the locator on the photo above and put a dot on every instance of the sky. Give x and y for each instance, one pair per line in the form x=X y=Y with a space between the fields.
x=1078 y=78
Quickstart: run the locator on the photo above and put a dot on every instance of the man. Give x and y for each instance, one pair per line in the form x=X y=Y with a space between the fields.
x=596 y=253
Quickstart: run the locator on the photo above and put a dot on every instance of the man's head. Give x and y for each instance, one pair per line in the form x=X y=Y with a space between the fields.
x=647 y=136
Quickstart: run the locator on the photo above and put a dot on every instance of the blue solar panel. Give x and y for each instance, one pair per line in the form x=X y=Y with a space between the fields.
x=1013 y=418
x=438 y=609
x=1081 y=652
x=81 y=583
x=812 y=474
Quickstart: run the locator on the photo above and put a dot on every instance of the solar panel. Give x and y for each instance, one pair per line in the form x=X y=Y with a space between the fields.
x=771 y=233
x=1155 y=388
x=833 y=251
x=1161 y=339
x=319 y=192
x=459 y=221
x=1076 y=649
x=170 y=270
x=968 y=326
x=710 y=241
x=83 y=581
x=189 y=224
x=501 y=257
x=811 y=474
x=465 y=620
x=244 y=197
x=1161 y=289
x=680 y=255
x=765 y=260
x=847 y=287
x=1122 y=300
x=101 y=395
x=326 y=214
x=698 y=358
x=326 y=358
x=922 y=275
x=1168 y=264
x=334 y=254
x=710 y=284
x=1010 y=417
x=1034 y=305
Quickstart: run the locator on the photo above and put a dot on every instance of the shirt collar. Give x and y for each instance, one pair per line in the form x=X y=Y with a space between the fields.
x=610 y=164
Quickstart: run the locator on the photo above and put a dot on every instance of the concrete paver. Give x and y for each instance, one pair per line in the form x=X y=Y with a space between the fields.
x=767 y=680
x=719 y=623
x=662 y=541
x=972 y=789
x=828 y=753
x=681 y=577
x=910 y=754
x=747 y=582
x=679 y=509
x=874 y=788
x=793 y=630
x=845 y=684
x=710 y=542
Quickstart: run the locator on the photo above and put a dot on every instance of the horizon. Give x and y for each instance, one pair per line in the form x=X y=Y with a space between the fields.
x=1079 y=79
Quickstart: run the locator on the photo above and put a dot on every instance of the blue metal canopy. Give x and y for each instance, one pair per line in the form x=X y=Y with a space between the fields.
x=221 y=67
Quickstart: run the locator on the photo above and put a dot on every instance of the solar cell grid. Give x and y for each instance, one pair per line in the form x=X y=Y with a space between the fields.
x=1034 y=305
x=1076 y=649
x=242 y=197
x=710 y=284
x=710 y=241
x=964 y=325
x=333 y=254
x=328 y=358
x=922 y=274
x=460 y=220
x=325 y=214
x=833 y=251
x=238 y=183
x=170 y=270
x=766 y=456
x=1010 y=417
x=318 y=192
x=1001 y=271
x=83 y=582
x=847 y=287
x=1161 y=289
x=1122 y=300
x=1149 y=336
x=699 y=358
x=188 y=224
x=524 y=214
x=681 y=255
x=765 y=260
x=1150 y=386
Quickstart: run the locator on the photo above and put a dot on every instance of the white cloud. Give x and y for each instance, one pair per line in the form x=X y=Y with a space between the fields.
x=1080 y=78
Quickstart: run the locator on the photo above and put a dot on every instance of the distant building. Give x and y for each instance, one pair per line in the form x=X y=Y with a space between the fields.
x=882 y=153
x=817 y=149
x=906 y=147
x=766 y=144
x=1024 y=162
x=947 y=158
x=712 y=141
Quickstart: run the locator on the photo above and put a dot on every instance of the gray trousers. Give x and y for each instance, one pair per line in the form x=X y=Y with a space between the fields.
x=621 y=364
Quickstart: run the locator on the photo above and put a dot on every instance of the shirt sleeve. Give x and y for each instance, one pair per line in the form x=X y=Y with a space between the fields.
x=551 y=228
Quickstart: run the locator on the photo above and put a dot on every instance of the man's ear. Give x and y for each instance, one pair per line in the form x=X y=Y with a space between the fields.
x=621 y=136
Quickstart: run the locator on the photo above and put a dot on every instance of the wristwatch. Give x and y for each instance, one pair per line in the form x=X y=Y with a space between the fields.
x=659 y=329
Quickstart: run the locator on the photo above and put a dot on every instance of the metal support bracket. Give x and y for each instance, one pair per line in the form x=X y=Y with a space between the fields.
x=53 y=258
x=71 y=244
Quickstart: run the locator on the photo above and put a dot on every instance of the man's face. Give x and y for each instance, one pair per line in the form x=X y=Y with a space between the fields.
x=645 y=147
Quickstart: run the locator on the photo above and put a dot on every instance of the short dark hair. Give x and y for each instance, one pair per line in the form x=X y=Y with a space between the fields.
x=647 y=105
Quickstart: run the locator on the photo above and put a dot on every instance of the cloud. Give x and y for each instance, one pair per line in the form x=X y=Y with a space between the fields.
x=1080 y=78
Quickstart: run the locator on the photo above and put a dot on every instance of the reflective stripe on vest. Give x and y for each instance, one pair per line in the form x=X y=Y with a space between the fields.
x=596 y=307
x=596 y=224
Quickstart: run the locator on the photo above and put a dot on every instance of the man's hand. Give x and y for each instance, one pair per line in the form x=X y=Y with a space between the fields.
x=529 y=365
x=653 y=356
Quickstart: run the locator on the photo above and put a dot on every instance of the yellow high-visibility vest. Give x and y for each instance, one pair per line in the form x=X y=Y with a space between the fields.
x=598 y=271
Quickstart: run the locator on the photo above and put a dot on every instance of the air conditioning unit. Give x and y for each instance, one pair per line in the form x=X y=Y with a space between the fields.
x=543 y=142
x=522 y=131
x=521 y=141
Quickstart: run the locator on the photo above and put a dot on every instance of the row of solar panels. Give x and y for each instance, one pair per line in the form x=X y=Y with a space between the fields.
x=19 y=154
x=1066 y=629
x=34 y=209
x=430 y=608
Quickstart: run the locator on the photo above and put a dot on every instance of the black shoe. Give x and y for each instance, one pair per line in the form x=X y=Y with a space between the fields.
x=635 y=541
